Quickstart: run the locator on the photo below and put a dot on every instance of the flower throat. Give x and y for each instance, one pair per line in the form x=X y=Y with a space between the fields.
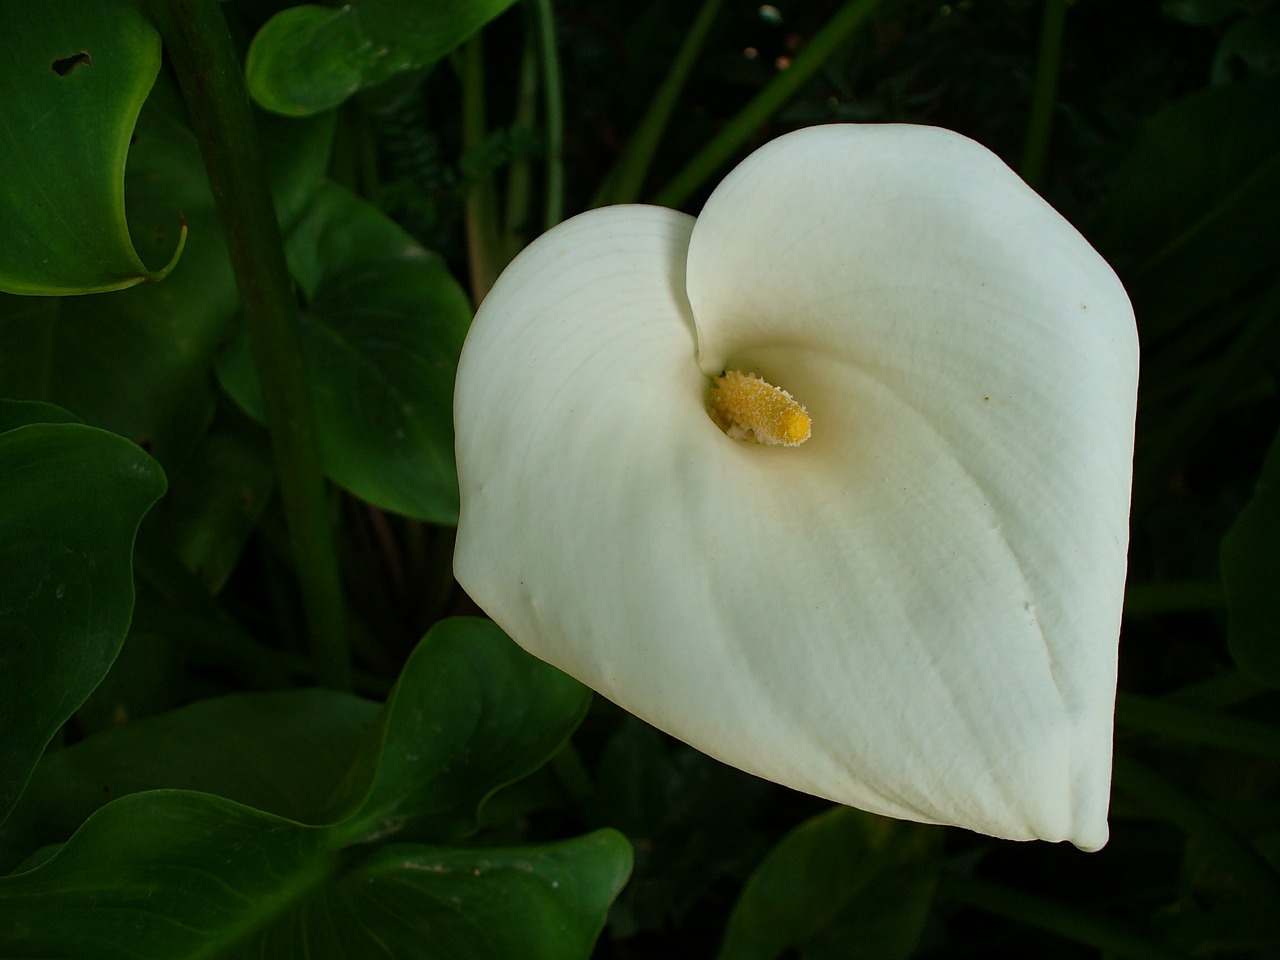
x=746 y=407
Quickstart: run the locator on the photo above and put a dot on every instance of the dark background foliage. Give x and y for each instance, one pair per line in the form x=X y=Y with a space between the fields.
x=1164 y=150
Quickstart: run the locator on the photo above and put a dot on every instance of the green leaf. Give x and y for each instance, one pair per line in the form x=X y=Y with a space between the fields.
x=841 y=886
x=383 y=332
x=1251 y=576
x=471 y=713
x=71 y=499
x=19 y=413
x=544 y=902
x=281 y=752
x=1194 y=210
x=310 y=58
x=72 y=80
x=137 y=362
x=175 y=874
x=217 y=497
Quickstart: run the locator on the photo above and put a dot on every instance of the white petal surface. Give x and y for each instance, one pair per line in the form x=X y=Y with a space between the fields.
x=916 y=611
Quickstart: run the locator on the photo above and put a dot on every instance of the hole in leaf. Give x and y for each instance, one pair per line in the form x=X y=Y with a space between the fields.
x=64 y=65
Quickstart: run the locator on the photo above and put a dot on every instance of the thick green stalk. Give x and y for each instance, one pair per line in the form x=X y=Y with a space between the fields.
x=515 y=218
x=553 y=108
x=482 y=201
x=624 y=181
x=199 y=46
x=754 y=115
x=1049 y=63
x=1066 y=922
x=1169 y=802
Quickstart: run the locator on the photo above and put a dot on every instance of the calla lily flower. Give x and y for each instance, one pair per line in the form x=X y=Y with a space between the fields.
x=914 y=607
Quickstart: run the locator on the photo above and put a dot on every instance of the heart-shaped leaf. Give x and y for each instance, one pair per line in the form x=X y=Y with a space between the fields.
x=73 y=79
x=471 y=713
x=137 y=362
x=71 y=499
x=311 y=58
x=175 y=874
x=383 y=331
x=281 y=752
x=842 y=886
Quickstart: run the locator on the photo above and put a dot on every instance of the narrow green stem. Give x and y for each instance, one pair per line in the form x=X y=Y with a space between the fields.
x=1054 y=917
x=623 y=183
x=515 y=220
x=1046 y=87
x=200 y=48
x=753 y=116
x=482 y=204
x=1195 y=725
x=1174 y=596
x=553 y=109
x=1166 y=800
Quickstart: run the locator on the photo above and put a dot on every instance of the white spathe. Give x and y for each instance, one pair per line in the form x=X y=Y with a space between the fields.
x=915 y=612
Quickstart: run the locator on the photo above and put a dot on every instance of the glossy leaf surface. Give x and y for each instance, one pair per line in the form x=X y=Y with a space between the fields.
x=75 y=73
x=137 y=362
x=842 y=885
x=382 y=333
x=281 y=752
x=174 y=873
x=311 y=58
x=71 y=499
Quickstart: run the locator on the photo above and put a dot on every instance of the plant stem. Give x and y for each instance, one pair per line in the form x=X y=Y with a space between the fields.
x=515 y=219
x=753 y=116
x=482 y=203
x=623 y=183
x=1169 y=802
x=1046 y=87
x=553 y=108
x=199 y=46
x=1194 y=725
x=1054 y=917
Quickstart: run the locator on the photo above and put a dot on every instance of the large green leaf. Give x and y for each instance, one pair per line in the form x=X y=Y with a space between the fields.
x=383 y=331
x=71 y=499
x=842 y=886
x=137 y=362
x=471 y=713
x=1251 y=576
x=311 y=58
x=175 y=874
x=281 y=752
x=1194 y=210
x=72 y=79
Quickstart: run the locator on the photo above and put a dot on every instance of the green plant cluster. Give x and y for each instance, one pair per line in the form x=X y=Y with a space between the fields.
x=244 y=709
